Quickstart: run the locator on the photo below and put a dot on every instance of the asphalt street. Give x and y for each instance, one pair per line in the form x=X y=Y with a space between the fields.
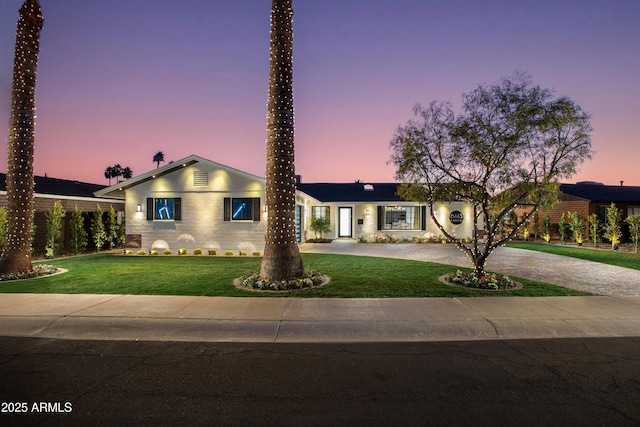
x=121 y=360
x=544 y=382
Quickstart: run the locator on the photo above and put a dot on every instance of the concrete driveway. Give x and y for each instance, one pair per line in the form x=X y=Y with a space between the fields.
x=587 y=276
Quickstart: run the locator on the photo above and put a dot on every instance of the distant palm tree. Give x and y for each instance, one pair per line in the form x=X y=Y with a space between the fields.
x=117 y=171
x=108 y=173
x=127 y=173
x=158 y=157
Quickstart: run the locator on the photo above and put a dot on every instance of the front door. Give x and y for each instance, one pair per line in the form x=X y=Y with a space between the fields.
x=344 y=222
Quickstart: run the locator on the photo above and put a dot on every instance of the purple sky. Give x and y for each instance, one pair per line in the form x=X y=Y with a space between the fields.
x=119 y=80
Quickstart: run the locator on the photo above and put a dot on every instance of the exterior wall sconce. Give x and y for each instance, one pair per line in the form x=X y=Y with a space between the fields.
x=139 y=207
x=367 y=212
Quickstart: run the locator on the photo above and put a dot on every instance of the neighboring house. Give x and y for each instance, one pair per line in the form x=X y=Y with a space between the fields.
x=197 y=203
x=598 y=197
x=589 y=197
x=71 y=194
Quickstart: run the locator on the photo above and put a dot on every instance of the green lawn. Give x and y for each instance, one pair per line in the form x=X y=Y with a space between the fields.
x=351 y=277
x=605 y=256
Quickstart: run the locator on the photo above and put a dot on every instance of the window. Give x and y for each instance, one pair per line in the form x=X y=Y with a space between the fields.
x=168 y=209
x=242 y=209
x=399 y=218
x=602 y=213
x=320 y=212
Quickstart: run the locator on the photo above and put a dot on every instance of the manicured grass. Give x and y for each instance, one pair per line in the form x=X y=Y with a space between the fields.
x=605 y=256
x=351 y=277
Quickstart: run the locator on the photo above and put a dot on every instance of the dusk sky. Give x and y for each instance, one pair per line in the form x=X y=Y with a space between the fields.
x=119 y=80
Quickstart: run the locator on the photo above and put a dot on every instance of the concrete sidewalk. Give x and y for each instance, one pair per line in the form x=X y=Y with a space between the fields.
x=255 y=319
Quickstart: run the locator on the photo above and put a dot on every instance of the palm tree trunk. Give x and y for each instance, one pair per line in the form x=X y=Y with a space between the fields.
x=281 y=259
x=16 y=257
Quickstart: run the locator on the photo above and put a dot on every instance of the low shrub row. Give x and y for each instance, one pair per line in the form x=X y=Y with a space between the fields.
x=183 y=251
x=389 y=238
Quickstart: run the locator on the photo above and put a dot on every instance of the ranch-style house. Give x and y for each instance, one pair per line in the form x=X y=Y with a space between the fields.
x=197 y=203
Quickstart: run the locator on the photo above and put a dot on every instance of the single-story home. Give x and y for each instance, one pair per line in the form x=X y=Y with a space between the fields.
x=197 y=203
x=71 y=194
x=362 y=211
x=588 y=197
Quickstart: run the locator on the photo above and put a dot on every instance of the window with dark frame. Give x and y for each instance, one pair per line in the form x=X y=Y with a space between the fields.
x=164 y=209
x=242 y=209
x=399 y=218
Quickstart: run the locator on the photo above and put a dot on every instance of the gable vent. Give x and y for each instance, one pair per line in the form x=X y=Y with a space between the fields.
x=200 y=179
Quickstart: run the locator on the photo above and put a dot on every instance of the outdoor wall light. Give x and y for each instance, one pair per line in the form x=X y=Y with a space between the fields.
x=367 y=212
x=139 y=207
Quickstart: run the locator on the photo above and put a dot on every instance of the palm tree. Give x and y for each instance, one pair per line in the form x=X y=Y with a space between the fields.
x=108 y=173
x=16 y=257
x=158 y=157
x=127 y=173
x=117 y=171
x=281 y=258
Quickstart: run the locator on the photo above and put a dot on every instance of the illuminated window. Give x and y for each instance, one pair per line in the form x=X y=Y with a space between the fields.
x=242 y=209
x=400 y=217
x=320 y=211
x=164 y=209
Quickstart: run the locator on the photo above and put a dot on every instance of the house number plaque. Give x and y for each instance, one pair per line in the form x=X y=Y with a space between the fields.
x=456 y=217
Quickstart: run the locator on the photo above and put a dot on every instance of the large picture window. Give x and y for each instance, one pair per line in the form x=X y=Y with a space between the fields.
x=242 y=209
x=400 y=217
x=164 y=209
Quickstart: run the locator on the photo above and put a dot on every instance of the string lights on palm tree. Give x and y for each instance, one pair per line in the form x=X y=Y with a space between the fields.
x=281 y=259
x=16 y=257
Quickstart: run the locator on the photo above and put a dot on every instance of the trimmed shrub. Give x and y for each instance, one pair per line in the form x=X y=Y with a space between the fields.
x=167 y=252
x=154 y=252
x=141 y=252
x=229 y=253
x=128 y=252
x=213 y=252
x=197 y=251
x=256 y=253
x=182 y=251
x=242 y=253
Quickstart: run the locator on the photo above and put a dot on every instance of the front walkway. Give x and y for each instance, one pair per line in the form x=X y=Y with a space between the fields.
x=587 y=276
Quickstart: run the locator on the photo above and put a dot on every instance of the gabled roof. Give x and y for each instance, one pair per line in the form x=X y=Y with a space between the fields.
x=58 y=187
x=352 y=192
x=117 y=189
x=600 y=193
